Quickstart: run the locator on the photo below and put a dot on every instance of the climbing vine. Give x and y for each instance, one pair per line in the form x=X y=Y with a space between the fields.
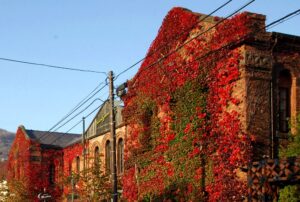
x=185 y=140
x=28 y=167
x=69 y=155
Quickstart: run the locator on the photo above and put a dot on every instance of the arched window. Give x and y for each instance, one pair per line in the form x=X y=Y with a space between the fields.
x=284 y=98
x=96 y=157
x=51 y=174
x=120 y=156
x=107 y=156
x=77 y=164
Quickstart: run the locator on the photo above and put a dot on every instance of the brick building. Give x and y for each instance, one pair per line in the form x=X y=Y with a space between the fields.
x=270 y=82
x=268 y=90
x=261 y=100
x=36 y=160
x=42 y=159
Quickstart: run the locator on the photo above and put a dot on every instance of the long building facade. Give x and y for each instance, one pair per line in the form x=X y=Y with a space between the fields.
x=210 y=98
x=42 y=161
x=260 y=88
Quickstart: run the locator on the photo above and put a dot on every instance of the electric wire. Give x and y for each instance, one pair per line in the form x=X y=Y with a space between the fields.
x=67 y=132
x=79 y=106
x=73 y=127
x=89 y=114
x=285 y=18
x=97 y=99
x=236 y=42
x=72 y=111
x=274 y=23
x=175 y=38
x=76 y=107
x=74 y=69
x=198 y=35
x=94 y=110
x=269 y=26
x=81 y=103
x=52 y=66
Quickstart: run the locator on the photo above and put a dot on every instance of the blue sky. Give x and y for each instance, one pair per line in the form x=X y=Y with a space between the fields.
x=90 y=34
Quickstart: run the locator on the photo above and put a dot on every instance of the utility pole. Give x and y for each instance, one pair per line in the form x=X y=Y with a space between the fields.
x=113 y=137
x=83 y=144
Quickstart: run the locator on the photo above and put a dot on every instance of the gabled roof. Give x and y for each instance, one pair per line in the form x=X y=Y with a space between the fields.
x=53 y=140
x=101 y=119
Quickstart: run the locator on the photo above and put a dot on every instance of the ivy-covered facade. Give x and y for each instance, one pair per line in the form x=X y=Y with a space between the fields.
x=211 y=96
x=54 y=162
x=36 y=162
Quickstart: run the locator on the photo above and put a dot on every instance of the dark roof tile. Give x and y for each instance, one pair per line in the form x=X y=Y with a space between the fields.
x=53 y=140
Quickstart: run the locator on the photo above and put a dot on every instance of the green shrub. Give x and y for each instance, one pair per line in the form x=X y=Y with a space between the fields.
x=291 y=193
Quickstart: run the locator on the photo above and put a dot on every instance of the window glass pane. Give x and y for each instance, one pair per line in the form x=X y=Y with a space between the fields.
x=284 y=107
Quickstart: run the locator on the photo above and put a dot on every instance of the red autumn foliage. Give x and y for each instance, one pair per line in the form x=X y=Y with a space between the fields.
x=29 y=164
x=203 y=135
x=69 y=155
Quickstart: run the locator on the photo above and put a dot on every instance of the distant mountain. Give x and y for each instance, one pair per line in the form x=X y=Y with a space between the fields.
x=6 y=139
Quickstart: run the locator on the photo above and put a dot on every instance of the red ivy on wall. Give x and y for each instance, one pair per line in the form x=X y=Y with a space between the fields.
x=183 y=139
x=28 y=164
x=70 y=154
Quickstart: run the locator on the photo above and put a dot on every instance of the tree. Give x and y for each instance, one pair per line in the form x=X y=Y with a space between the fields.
x=91 y=184
x=18 y=192
x=291 y=192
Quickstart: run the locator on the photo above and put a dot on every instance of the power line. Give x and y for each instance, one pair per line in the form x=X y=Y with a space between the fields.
x=66 y=68
x=78 y=106
x=89 y=114
x=283 y=19
x=82 y=102
x=75 y=109
x=51 y=66
x=198 y=35
x=66 y=133
x=270 y=25
x=97 y=99
x=233 y=43
x=94 y=110
x=72 y=128
x=175 y=38
x=274 y=23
